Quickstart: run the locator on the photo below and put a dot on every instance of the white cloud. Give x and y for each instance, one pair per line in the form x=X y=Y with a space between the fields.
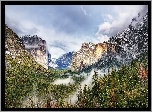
x=105 y=27
x=56 y=51
x=107 y=17
x=100 y=39
x=119 y=19
x=84 y=11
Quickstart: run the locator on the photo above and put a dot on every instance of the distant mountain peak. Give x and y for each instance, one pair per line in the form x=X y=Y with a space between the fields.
x=62 y=62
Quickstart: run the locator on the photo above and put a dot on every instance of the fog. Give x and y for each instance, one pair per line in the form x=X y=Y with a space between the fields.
x=66 y=81
x=72 y=99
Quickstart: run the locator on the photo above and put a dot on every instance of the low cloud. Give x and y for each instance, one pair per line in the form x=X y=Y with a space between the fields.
x=119 y=19
x=66 y=81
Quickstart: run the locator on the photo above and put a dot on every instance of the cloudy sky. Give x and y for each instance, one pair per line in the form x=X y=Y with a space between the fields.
x=66 y=27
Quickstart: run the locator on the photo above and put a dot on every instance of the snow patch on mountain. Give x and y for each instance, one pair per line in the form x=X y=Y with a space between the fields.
x=62 y=62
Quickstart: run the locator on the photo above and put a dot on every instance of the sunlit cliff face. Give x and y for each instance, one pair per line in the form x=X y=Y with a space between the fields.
x=88 y=54
x=99 y=50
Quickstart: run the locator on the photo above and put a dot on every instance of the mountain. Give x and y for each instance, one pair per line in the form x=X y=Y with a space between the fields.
x=37 y=48
x=21 y=71
x=62 y=62
x=122 y=48
x=134 y=47
x=88 y=54
x=16 y=53
x=52 y=63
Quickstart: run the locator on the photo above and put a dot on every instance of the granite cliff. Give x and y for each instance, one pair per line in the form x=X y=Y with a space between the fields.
x=88 y=54
x=37 y=48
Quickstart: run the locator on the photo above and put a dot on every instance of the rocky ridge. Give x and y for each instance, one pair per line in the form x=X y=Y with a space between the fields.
x=37 y=48
x=88 y=54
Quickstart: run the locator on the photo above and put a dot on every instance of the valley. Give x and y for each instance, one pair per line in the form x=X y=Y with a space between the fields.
x=112 y=74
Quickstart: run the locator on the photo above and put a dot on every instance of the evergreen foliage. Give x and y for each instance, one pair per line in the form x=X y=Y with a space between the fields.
x=120 y=89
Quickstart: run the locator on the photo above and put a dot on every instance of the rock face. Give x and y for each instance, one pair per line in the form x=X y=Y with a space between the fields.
x=88 y=54
x=64 y=61
x=37 y=48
